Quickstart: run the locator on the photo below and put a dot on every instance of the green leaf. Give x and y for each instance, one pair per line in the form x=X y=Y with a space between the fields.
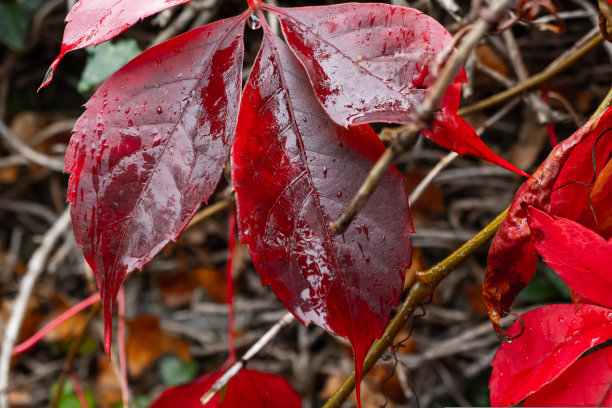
x=176 y=372
x=13 y=25
x=545 y=286
x=69 y=398
x=104 y=59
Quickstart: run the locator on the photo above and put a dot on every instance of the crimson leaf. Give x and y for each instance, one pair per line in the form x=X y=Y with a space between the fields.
x=294 y=171
x=554 y=337
x=150 y=148
x=586 y=383
x=91 y=22
x=512 y=257
x=249 y=388
x=374 y=63
x=581 y=257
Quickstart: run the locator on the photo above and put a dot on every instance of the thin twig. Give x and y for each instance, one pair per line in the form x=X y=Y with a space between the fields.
x=255 y=348
x=446 y=160
x=12 y=142
x=49 y=327
x=35 y=267
x=584 y=45
x=210 y=210
x=422 y=114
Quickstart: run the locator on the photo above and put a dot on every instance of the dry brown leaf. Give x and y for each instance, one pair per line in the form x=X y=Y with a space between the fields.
x=108 y=389
x=384 y=380
x=69 y=328
x=408 y=343
x=418 y=264
x=488 y=57
x=474 y=296
x=146 y=342
x=177 y=289
x=214 y=281
x=19 y=397
x=532 y=139
x=369 y=397
x=26 y=124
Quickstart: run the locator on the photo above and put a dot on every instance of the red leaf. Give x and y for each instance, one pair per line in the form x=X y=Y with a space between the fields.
x=586 y=383
x=150 y=148
x=374 y=63
x=512 y=257
x=367 y=62
x=294 y=171
x=91 y=22
x=581 y=257
x=249 y=388
x=570 y=198
x=554 y=337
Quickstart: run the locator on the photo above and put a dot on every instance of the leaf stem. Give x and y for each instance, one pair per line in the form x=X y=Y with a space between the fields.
x=423 y=287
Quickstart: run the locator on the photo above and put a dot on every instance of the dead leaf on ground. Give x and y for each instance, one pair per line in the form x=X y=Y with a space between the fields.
x=108 y=389
x=474 y=296
x=146 y=342
x=488 y=57
x=177 y=289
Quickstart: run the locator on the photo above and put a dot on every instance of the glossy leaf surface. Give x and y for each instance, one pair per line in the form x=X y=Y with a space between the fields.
x=91 y=22
x=581 y=257
x=586 y=383
x=512 y=257
x=555 y=336
x=374 y=63
x=150 y=148
x=249 y=388
x=294 y=171
x=585 y=182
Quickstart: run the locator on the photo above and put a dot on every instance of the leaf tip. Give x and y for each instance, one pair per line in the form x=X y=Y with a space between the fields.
x=49 y=74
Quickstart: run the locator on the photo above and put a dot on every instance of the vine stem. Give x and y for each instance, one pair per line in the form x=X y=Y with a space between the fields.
x=587 y=43
x=426 y=282
x=424 y=286
x=422 y=114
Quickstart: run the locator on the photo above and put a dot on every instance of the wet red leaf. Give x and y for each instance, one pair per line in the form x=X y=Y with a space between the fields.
x=512 y=257
x=367 y=64
x=581 y=257
x=584 y=181
x=249 y=388
x=91 y=22
x=554 y=338
x=586 y=383
x=150 y=148
x=307 y=170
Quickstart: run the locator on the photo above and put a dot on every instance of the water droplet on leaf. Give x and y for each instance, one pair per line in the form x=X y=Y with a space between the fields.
x=159 y=110
x=254 y=22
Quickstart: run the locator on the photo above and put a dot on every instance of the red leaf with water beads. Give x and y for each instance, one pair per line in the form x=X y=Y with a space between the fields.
x=581 y=257
x=150 y=148
x=249 y=388
x=374 y=63
x=555 y=336
x=586 y=383
x=512 y=257
x=294 y=170
x=91 y=22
